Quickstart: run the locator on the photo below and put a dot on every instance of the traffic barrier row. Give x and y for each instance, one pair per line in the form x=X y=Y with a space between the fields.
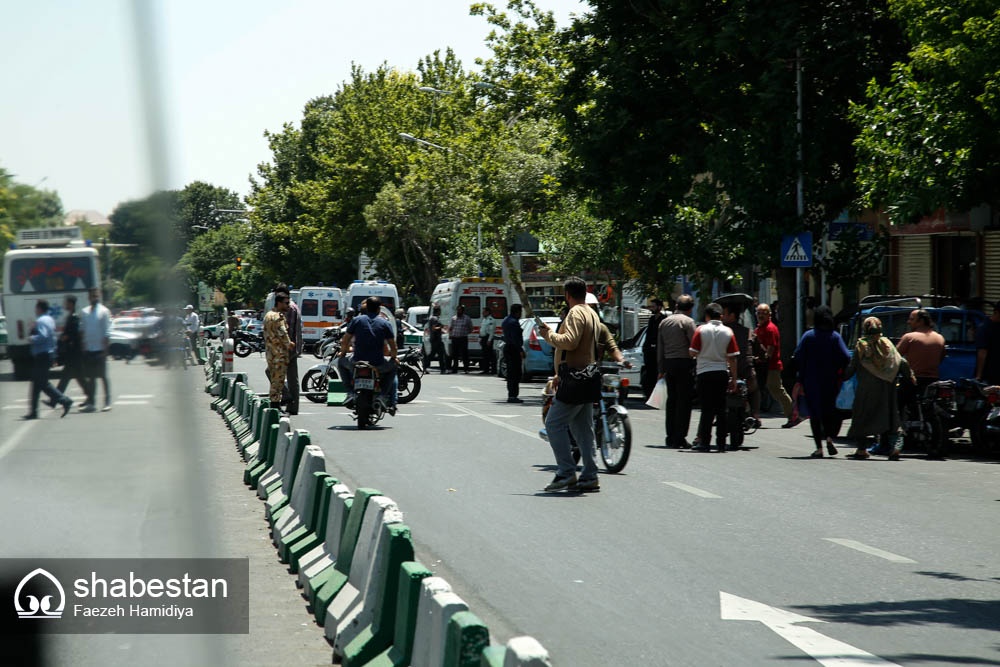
x=353 y=553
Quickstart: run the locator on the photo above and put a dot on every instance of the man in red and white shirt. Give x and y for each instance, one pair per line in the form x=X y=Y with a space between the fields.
x=714 y=346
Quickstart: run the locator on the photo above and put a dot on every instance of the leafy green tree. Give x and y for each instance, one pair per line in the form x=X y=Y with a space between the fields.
x=211 y=257
x=929 y=137
x=851 y=260
x=24 y=206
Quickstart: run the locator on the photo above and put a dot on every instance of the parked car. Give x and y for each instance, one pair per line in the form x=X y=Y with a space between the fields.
x=213 y=331
x=125 y=337
x=411 y=334
x=538 y=354
x=632 y=351
x=252 y=325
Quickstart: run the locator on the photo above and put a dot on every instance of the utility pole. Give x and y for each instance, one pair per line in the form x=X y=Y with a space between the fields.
x=799 y=191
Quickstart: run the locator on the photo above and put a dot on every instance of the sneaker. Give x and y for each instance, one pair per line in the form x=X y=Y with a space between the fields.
x=588 y=485
x=106 y=408
x=67 y=404
x=514 y=399
x=88 y=408
x=792 y=423
x=560 y=483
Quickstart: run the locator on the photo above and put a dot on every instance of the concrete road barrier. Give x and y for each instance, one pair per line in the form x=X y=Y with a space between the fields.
x=370 y=553
x=249 y=446
x=466 y=638
x=256 y=410
x=437 y=605
x=266 y=454
x=410 y=587
x=329 y=583
x=519 y=652
x=271 y=479
x=278 y=500
x=313 y=460
x=270 y=416
x=323 y=556
x=372 y=629
x=300 y=541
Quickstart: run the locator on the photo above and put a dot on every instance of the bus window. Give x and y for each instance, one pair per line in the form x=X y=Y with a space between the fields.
x=497 y=305
x=331 y=308
x=471 y=304
x=51 y=274
x=310 y=307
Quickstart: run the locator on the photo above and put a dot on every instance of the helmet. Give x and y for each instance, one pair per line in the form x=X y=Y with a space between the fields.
x=351 y=312
x=591 y=299
x=400 y=313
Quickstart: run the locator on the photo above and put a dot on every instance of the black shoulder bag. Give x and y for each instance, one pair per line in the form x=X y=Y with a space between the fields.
x=577 y=387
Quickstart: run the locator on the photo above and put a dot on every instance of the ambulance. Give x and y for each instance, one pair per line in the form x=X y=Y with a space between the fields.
x=479 y=296
x=319 y=308
x=362 y=289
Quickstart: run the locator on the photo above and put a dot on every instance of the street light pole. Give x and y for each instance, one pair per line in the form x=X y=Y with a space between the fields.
x=437 y=93
x=799 y=191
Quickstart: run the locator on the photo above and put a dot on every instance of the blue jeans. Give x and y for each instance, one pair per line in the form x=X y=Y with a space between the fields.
x=562 y=419
x=387 y=371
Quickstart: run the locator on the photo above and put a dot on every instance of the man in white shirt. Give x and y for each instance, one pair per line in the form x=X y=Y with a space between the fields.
x=714 y=346
x=95 y=321
x=192 y=325
x=487 y=330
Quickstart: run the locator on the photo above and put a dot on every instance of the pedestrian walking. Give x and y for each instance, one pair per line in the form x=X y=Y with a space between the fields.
x=744 y=365
x=769 y=337
x=43 y=350
x=988 y=348
x=70 y=349
x=192 y=325
x=820 y=357
x=278 y=345
x=715 y=350
x=877 y=363
x=575 y=349
x=487 y=330
x=436 y=329
x=676 y=366
x=513 y=352
x=293 y=321
x=95 y=320
x=650 y=361
x=458 y=333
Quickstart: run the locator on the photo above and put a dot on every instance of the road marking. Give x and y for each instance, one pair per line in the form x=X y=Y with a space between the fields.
x=692 y=489
x=131 y=403
x=12 y=442
x=497 y=422
x=874 y=551
x=450 y=415
x=505 y=416
x=137 y=396
x=824 y=650
x=466 y=391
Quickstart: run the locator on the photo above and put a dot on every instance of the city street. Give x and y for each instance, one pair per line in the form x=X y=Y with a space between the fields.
x=894 y=559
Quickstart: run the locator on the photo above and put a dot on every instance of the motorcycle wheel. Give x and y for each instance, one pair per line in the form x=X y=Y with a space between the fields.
x=315 y=382
x=242 y=350
x=614 y=457
x=735 y=419
x=363 y=406
x=317 y=350
x=409 y=384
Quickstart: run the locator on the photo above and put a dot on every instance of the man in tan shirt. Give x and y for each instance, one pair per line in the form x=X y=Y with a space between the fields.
x=574 y=346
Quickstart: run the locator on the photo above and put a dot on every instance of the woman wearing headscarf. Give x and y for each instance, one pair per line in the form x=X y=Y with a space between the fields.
x=819 y=357
x=876 y=412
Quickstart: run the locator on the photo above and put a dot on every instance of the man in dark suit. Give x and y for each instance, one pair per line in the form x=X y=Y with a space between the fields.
x=70 y=348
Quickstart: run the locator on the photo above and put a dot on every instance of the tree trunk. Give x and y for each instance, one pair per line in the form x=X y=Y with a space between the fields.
x=786 y=318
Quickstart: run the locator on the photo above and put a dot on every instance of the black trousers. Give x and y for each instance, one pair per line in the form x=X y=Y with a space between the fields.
x=460 y=349
x=73 y=370
x=679 y=374
x=712 y=395
x=437 y=352
x=649 y=371
x=292 y=384
x=513 y=360
x=40 y=365
x=488 y=362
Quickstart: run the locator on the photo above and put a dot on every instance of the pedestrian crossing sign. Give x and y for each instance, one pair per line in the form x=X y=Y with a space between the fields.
x=796 y=249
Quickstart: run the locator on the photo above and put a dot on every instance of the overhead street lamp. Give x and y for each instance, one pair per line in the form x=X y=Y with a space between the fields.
x=437 y=92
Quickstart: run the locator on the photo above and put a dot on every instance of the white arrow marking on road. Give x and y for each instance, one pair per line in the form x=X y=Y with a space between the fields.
x=824 y=650
x=864 y=548
x=692 y=489
x=467 y=391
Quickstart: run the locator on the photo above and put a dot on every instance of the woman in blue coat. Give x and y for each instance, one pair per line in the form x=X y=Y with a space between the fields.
x=820 y=356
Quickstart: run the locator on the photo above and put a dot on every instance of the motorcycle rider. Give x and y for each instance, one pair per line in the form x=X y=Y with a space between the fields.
x=366 y=338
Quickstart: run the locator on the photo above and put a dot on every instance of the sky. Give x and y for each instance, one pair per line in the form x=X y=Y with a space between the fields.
x=72 y=116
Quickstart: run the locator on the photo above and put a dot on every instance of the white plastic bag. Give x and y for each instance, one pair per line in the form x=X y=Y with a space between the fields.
x=658 y=399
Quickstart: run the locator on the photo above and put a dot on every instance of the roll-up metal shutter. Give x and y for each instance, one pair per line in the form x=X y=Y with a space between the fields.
x=991 y=266
x=915 y=262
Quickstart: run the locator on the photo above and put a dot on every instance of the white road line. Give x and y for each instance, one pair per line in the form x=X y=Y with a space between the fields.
x=137 y=396
x=497 y=422
x=450 y=415
x=874 y=551
x=12 y=442
x=131 y=403
x=824 y=650
x=466 y=391
x=13 y=407
x=692 y=489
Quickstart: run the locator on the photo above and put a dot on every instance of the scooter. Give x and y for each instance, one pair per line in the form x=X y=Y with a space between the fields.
x=923 y=419
x=316 y=380
x=245 y=343
x=368 y=406
x=411 y=367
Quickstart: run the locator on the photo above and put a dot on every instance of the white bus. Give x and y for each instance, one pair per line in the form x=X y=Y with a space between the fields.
x=362 y=289
x=319 y=308
x=478 y=295
x=46 y=264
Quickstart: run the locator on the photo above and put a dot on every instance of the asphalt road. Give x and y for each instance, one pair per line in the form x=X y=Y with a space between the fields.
x=897 y=560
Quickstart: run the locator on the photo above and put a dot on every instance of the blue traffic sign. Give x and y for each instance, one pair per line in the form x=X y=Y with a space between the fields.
x=797 y=249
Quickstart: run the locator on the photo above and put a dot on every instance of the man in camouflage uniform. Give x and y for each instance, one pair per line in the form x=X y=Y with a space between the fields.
x=278 y=345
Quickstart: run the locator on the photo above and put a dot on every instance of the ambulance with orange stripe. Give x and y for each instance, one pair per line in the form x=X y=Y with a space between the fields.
x=319 y=307
x=478 y=295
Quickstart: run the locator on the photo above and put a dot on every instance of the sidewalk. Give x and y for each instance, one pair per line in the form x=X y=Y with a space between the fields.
x=158 y=476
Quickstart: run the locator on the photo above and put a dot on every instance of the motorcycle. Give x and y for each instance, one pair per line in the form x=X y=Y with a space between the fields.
x=612 y=428
x=923 y=419
x=368 y=406
x=316 y=380
x=986 y=435
x=738 y=418
x=245 y=343
x=411 y=367
x=331 y=337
